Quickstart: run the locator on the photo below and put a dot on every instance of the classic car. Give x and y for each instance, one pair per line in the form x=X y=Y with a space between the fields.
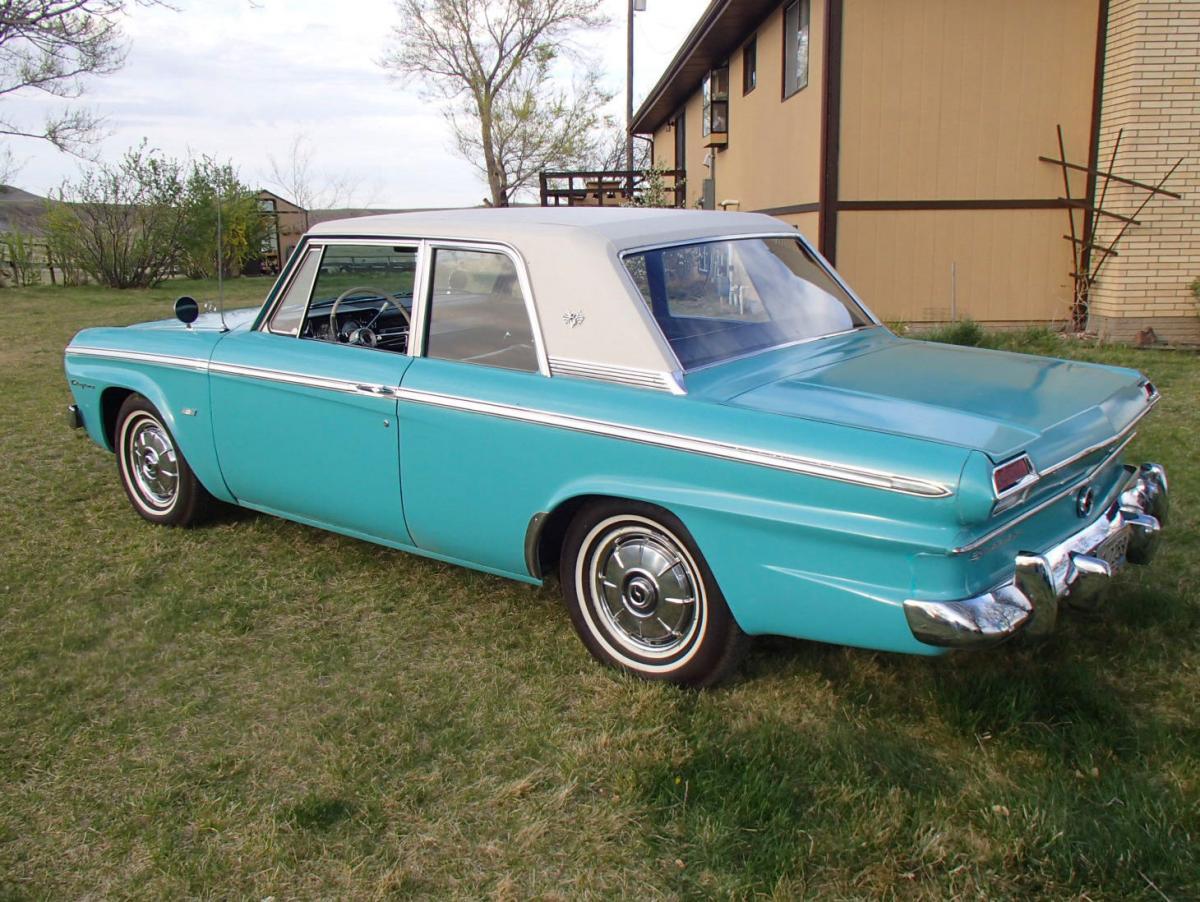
x=687 y=415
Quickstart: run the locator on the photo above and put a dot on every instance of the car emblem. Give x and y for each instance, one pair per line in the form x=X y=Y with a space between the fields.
x=573 y=319
x=1087 y=498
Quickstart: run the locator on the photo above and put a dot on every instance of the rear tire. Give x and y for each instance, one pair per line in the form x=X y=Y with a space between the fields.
x=154 y=473
x=642 y=598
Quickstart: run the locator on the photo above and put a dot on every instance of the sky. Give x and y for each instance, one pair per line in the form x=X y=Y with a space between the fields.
x=240 y=79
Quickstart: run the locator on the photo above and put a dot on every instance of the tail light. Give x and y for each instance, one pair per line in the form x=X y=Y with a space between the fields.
x=1012 y=476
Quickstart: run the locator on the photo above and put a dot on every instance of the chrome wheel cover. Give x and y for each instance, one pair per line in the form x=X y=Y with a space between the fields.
x=645 y=589
x=152 y=463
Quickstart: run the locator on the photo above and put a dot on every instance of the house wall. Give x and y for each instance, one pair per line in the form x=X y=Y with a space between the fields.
x=1152 y=92
x=772 y=159
x=945 y=103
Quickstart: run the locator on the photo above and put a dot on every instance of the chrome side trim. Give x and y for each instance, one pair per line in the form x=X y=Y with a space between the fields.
x=621 y=375
x=1053 y=499
x=185 y=363
x=673 y=441
x=890 y=482
x=302 y=379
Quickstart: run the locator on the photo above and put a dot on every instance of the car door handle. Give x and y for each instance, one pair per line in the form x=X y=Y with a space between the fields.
x=376 y=389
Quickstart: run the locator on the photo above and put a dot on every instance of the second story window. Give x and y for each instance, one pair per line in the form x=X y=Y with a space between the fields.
x=796 y=18
x=716 y=102
x=750 y=66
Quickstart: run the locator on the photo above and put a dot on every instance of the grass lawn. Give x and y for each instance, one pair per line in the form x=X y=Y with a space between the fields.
x=257 y=708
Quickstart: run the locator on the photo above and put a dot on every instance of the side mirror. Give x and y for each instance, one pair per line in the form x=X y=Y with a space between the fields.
x=186 y=310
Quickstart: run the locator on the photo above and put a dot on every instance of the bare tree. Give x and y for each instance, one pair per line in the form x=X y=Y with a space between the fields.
x=494 y=60
x=300 y=181
x=49 y=46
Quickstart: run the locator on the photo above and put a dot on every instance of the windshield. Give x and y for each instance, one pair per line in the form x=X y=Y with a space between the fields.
x=723 y=299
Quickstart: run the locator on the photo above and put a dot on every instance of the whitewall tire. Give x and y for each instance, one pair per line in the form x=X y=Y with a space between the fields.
x=642 y=597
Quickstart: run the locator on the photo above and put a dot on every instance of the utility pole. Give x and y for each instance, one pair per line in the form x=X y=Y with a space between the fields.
x=634 y=6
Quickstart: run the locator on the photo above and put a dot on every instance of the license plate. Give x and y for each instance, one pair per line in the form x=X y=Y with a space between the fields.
x=1112 y=550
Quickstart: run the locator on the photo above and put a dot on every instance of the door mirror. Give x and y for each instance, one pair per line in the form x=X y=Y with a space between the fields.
x=186 y=310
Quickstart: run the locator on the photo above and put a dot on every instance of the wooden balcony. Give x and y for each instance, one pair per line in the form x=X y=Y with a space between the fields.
x=604 y=188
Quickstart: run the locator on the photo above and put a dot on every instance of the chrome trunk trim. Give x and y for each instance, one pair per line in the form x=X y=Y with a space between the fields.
x=1053 y=499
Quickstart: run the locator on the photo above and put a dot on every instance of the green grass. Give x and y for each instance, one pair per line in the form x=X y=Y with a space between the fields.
x=256 y=708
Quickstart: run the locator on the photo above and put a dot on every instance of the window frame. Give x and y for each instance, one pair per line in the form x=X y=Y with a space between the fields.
x=422 y=284
x=750 y=65
x=804 y=21
x=418 y=343
x=710 y=98
x=293 y=275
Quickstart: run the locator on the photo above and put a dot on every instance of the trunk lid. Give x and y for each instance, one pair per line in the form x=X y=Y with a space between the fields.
x=997 y=402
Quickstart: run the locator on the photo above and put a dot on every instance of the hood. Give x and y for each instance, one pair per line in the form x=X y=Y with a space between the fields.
x=206 y=322
x=996 y=402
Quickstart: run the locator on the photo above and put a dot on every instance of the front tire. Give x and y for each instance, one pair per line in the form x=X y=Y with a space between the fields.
x=642 y=598
x=154 y=473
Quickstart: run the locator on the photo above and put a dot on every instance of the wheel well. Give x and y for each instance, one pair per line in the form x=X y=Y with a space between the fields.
x=110 y=405
x=552 y=529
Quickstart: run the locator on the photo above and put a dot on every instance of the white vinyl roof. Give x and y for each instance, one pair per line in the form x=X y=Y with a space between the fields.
x=623 y=227
x=591 y=316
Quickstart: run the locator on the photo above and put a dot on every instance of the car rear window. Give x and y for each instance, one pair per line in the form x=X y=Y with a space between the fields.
x=717 y=300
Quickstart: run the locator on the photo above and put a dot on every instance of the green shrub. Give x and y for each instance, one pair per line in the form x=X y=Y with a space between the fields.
x=966 y=332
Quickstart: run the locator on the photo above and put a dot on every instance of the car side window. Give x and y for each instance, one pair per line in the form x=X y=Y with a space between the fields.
x=477 y=311
x=290 y=312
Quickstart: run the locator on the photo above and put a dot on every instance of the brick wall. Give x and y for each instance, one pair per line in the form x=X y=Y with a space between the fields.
x=1152 y=91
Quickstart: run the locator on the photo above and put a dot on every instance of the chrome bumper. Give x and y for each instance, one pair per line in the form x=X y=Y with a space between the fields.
x=1075 y=571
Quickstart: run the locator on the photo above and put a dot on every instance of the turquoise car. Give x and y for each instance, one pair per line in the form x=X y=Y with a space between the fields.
x=688 y=416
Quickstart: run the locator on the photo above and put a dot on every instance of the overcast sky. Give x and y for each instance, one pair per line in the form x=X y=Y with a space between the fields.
x=239 y=80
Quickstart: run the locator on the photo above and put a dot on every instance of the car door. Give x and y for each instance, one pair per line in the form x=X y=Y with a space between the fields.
x=304 y=405
x=468 y=477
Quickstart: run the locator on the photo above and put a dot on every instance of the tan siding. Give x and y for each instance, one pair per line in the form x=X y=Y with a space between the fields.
x=774 y=154
x=774 y=151
x=664 y=147
x=806 y=222
x=947 y=99
x=1009 y=266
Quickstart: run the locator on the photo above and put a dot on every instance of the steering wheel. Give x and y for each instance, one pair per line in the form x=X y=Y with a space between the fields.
x=363 y=335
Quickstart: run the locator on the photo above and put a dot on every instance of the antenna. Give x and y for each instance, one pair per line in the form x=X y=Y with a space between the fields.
x=220 y=267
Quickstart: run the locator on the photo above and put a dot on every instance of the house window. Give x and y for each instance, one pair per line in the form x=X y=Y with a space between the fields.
x=716 y=102
x=750 y=66
x=795 y=46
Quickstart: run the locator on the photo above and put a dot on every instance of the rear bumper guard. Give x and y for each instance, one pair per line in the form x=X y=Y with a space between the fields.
x=1076 y=571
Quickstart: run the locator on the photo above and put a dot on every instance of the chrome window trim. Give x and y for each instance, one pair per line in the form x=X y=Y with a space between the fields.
x=1053 y=499
x=293 y=274
x=879 y=479
x=518 y=262
x=171 y=360
x=794 y=235
x=674 y=441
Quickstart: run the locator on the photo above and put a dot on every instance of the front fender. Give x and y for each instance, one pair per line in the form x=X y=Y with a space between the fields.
x=171 y=391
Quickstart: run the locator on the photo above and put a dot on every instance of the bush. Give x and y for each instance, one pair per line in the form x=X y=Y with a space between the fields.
x=122 y=224
x=133 y=224
x=20 y=253
x=966 y=332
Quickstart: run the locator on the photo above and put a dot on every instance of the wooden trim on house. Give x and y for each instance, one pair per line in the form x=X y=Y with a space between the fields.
x=831 y=126
x=983 y=203
x=1089 y=216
